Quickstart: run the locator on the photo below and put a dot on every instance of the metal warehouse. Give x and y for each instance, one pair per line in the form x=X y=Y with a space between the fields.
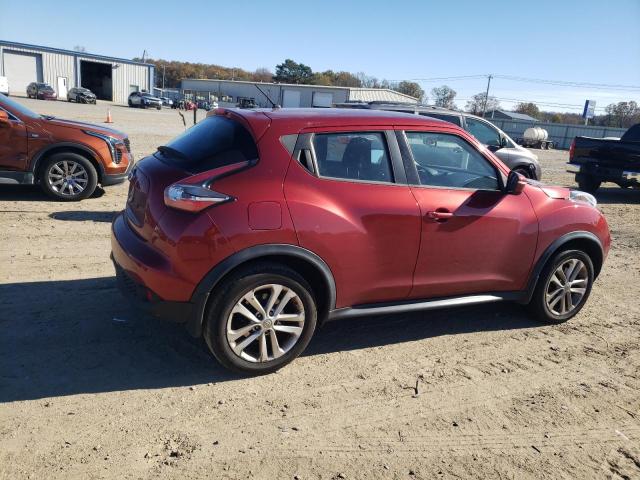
x=287 y=95
x=109 y=78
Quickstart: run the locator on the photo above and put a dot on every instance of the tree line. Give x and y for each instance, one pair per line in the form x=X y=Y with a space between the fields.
x=289 y=71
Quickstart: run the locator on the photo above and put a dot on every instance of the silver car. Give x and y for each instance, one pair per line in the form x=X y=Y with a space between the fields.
x=513 y=155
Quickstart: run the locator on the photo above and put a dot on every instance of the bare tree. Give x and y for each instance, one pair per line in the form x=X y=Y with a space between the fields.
x=477 y=103
x=262 y=75
x=443 y=96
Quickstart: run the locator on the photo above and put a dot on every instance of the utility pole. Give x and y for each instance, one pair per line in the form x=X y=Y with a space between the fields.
x=486 y=95
x=163 y=68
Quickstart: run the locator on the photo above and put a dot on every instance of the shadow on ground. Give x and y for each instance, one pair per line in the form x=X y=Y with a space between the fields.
x=84 y=216
x=32 y=193
x=80 y=336
x=613 y=196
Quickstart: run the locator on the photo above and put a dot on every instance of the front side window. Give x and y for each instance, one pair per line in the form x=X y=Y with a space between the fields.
x=353 y=156
x=444 y=160
x=483 y=132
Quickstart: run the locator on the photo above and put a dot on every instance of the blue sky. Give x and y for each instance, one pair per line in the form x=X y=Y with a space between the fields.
x=580 y=41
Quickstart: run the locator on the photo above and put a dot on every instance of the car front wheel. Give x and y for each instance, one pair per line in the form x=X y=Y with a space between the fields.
x=68 y=177
x=261 y=320
x=563 y=287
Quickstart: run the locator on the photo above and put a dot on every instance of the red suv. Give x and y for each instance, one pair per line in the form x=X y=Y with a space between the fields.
x=255 y=226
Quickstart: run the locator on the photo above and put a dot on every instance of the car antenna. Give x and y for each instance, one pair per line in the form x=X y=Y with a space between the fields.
x=273 y=104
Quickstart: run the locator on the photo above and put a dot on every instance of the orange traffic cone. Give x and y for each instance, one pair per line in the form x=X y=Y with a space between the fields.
x=108 y=120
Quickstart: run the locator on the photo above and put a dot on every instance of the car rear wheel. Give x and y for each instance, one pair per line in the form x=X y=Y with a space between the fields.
x=563 y=287
x=68 y=177
x=261 y=320
x=588 y=183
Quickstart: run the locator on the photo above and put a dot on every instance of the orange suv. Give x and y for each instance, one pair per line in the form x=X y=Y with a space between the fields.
x=67 y=159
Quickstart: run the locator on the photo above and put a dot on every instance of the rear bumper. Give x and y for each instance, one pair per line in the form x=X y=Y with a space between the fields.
x=141 y=272
x=144 y=300
x=605 y=173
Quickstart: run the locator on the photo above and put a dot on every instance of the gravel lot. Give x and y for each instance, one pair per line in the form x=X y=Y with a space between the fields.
x=89 y=389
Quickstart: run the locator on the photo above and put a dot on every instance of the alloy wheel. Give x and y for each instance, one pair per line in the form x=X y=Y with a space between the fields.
x=68 y=178
x=265 y=323
x=566 y=287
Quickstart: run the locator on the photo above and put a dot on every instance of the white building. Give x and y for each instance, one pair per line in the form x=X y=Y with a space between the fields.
x=288 y=95
x=109 y=78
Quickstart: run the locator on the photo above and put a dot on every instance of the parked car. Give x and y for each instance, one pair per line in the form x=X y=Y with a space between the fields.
x=255 y=226
x=41 y=91
x=513 y=155
x=66 y=158
x=4 y=86
x=144 y=100
x=597 y=160
x=246 y=103
x=166 y=102
x=81 y=95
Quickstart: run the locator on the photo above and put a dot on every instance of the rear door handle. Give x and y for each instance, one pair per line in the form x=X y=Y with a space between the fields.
x=439 y=215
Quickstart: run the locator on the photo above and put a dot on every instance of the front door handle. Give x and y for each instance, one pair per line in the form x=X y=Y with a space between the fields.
x=439 y=215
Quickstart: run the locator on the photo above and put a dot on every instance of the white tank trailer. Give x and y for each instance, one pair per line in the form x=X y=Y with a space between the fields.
x=536 y=137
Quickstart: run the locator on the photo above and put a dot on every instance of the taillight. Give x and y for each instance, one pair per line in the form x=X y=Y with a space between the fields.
x=194 y=194
x=192 y=198
x=572 y=149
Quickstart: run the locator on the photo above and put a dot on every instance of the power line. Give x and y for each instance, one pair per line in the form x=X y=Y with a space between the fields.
x=561 y=83
x=564 y=83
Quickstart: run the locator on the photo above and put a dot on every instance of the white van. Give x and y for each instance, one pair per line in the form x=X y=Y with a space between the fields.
x=4 y=86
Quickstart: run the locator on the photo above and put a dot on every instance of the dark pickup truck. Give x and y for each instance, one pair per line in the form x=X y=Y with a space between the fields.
x=597 y=160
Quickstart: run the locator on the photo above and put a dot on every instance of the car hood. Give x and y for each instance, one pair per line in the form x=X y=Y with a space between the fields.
x=552 y=191
x=86 y=126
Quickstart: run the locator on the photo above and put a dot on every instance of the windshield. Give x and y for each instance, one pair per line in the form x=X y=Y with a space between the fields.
x=16 y=108
x=212 y=143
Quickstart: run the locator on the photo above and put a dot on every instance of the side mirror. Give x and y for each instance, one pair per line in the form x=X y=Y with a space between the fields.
x=515 y=183
x=4 y=119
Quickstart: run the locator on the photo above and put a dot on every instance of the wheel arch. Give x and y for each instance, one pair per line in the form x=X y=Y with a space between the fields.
x=303 y=261
x=582 y=240
x=65 y=147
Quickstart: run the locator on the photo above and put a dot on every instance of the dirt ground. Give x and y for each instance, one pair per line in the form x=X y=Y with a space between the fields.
x=90 y=389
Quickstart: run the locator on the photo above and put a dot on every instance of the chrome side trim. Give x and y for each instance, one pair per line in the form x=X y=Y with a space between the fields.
x=415 y=306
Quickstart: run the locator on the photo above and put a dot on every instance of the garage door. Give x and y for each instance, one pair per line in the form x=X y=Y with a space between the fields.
x=291 y=98
x=322 y=99
x=21 y=69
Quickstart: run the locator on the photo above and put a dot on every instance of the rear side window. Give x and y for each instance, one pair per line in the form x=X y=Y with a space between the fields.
x=455 y=119
x=212 y=143
x=353 y=156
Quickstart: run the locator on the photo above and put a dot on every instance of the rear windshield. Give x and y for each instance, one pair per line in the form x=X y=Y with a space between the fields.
x=214 y=142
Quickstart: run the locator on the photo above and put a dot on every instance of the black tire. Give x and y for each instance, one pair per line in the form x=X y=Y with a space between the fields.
x=48 y=168
x=227 y=296
x=158 y=108
x=538 y=306
x=130 y=104
x=587 y=183
x=524 y=171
